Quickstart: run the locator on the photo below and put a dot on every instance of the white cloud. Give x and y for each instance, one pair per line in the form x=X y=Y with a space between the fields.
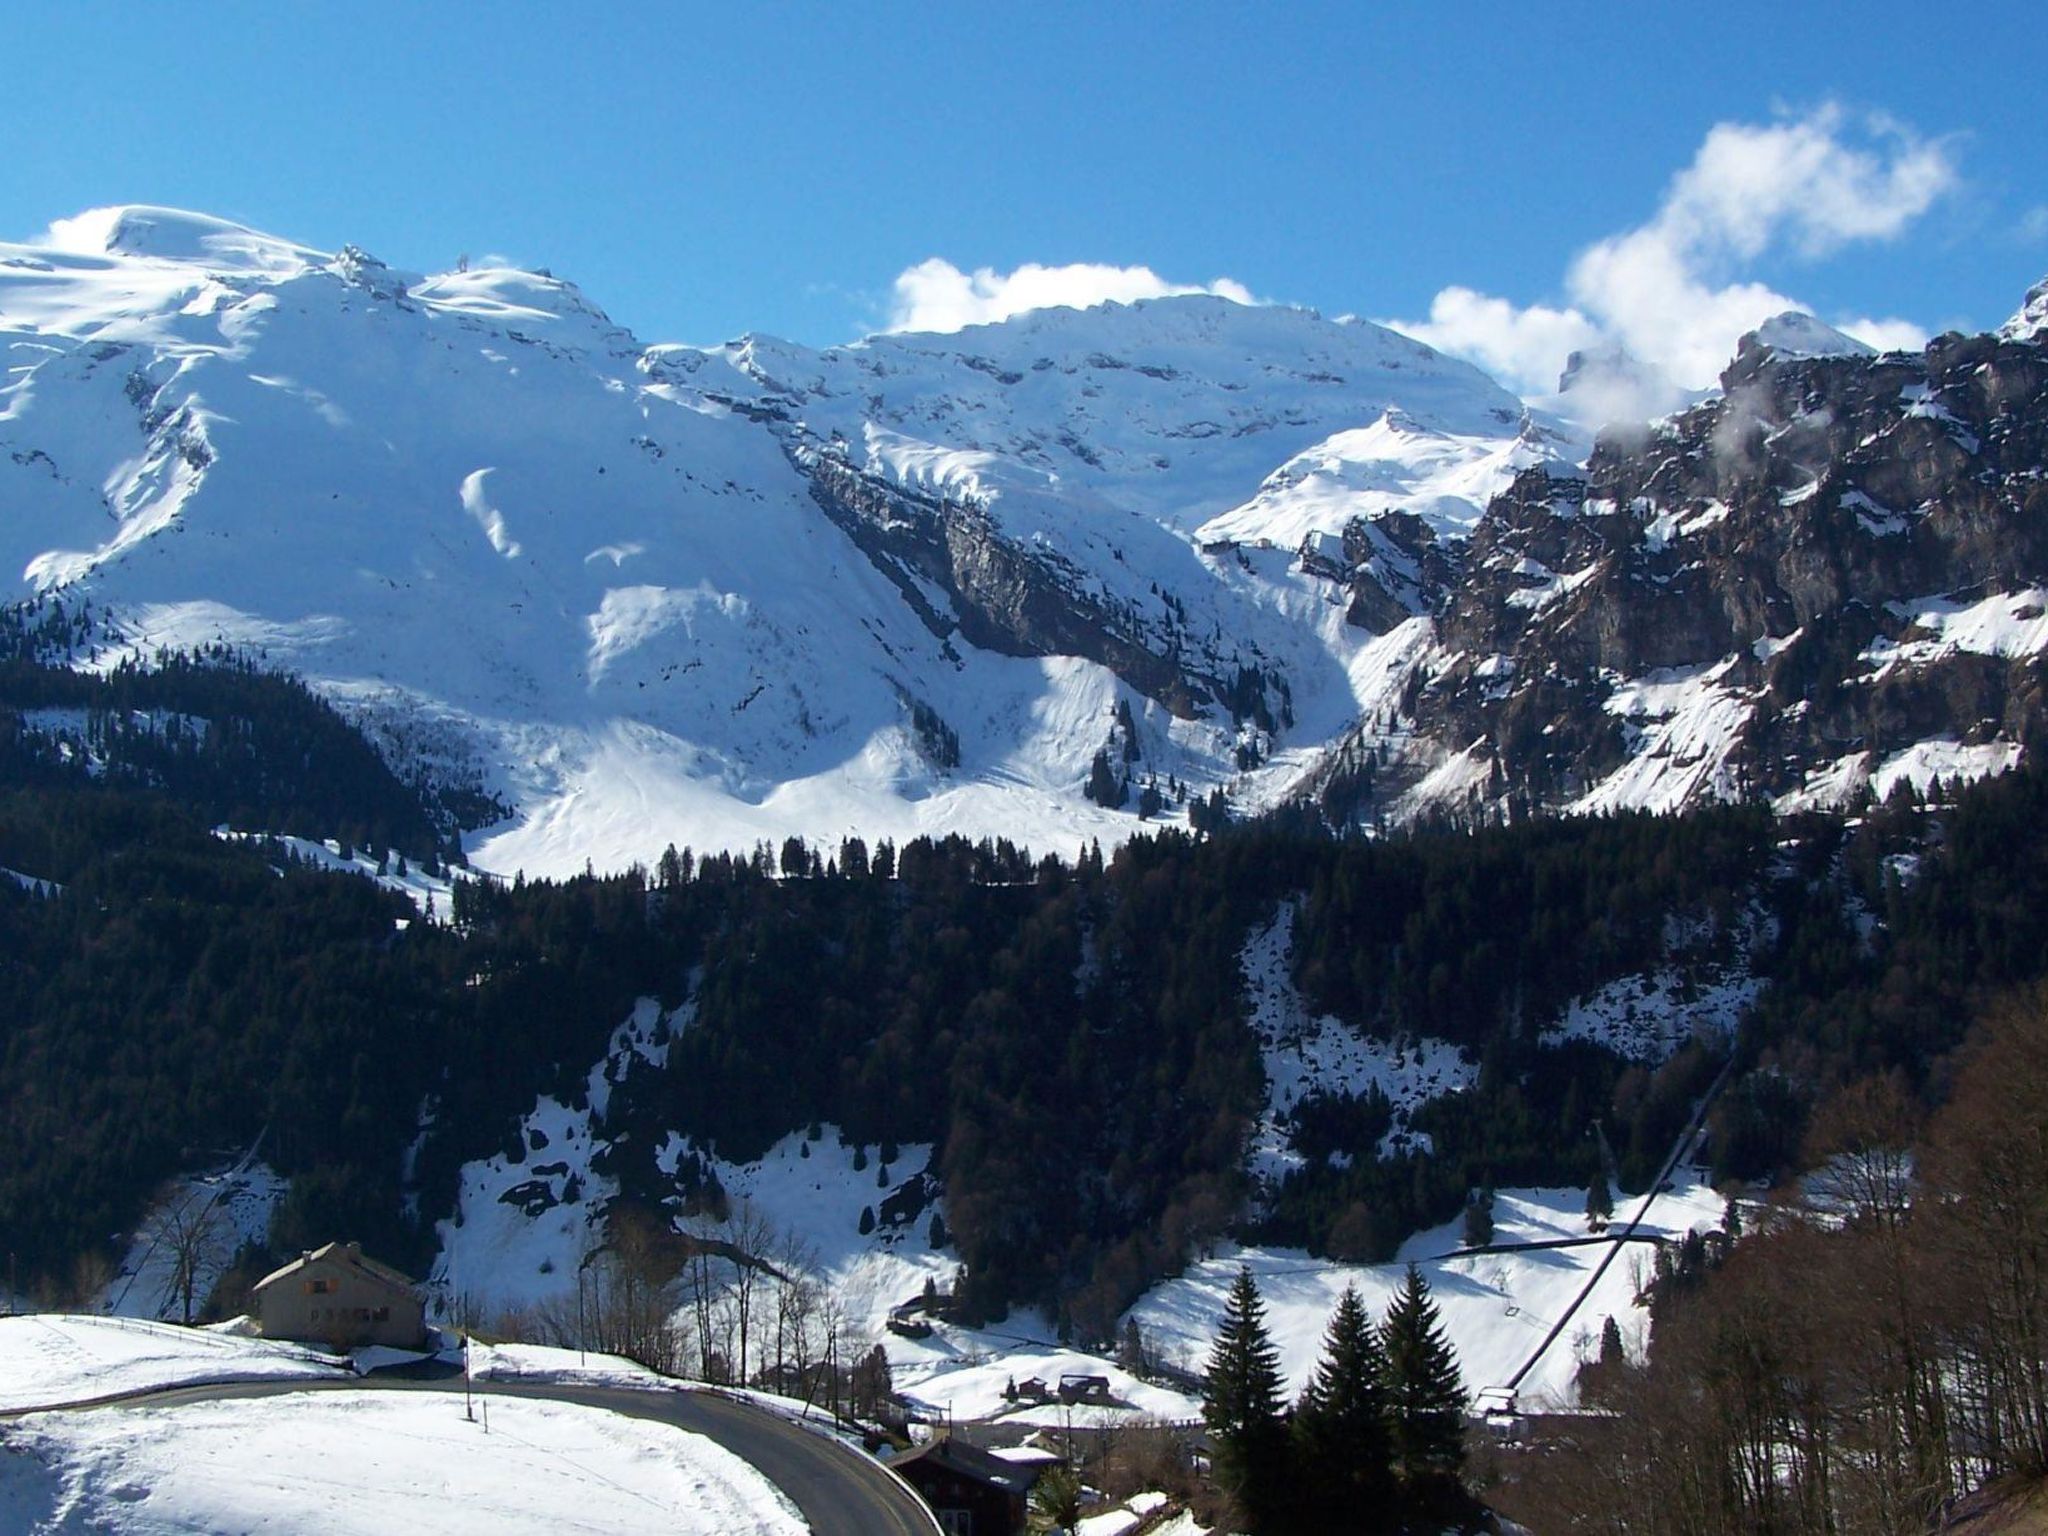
x=1888 y=335
x=935 y=295
x=1526 y=347
x=1670 y=290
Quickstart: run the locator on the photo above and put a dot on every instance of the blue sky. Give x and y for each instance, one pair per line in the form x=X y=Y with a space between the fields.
x=704 y=170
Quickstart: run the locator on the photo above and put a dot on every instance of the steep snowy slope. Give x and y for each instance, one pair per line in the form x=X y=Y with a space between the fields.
x=476 y=511
x=1179 y=409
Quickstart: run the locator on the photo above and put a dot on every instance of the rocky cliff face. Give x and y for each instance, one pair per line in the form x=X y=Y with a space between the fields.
x=1831 y=575
x=1002 y=596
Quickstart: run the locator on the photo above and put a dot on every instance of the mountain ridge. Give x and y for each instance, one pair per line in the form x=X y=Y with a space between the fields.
x=712 y=596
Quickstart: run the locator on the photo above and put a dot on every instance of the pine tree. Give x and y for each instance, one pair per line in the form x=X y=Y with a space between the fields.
x=1612 y=1352
x=1131 y=1353
x=1103 y=786
x=1599 y=1202
x=1056 y=1500
x=1425 y=1398
x=1241 y=1405
x=1600 y=1377
x=1479 y=1218
x=1343 y=1456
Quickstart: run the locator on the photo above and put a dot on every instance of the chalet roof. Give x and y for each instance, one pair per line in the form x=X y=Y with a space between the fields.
x=971 y=1461
x=1026 y=1455
x=349 y=1254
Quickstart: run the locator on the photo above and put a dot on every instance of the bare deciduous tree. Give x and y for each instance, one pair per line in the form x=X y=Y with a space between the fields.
x=190 y=1233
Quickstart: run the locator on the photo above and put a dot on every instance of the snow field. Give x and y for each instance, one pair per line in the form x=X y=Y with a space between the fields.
x=520 y=1238
x=961 y=1373
x=544 y=1364
x=1682 y=725
x=1125 y=1518
x=1831 y=786
x=49 y=1360
x=1497 y=1306
x=2008 y=624
x=372 y=1463
x=517 y=1237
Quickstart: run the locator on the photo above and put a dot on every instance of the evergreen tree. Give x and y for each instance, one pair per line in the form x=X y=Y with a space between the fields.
x=1343 y=1455
x=1103 y=786
x=1056 y=1500
x=1612 y=1352
x=1602 y=1376
x=1241 y=1405
x=1425 y=1398
x=1131 y=1353
x=1479 y=1218
x=1599 y=1202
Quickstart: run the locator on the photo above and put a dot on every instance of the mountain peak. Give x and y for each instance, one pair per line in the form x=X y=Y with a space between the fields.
x=1798 y=334
x=2030 y=321
x=147 y=232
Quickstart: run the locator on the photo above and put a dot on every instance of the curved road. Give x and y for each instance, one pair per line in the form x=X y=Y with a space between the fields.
x=838 y=1491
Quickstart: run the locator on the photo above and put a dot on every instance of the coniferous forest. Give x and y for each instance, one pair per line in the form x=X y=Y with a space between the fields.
x=1070 y=1032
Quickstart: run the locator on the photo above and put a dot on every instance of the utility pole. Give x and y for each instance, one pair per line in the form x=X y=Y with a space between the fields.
x=832 y=1367
x=462 y=1322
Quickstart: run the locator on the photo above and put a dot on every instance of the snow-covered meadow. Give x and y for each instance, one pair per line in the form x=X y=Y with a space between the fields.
x=369 y=1463
x=46 y=1360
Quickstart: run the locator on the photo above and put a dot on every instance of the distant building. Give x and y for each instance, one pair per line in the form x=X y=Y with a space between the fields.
x=335 y=1296
x=1076 y=1387
x=973 y=1492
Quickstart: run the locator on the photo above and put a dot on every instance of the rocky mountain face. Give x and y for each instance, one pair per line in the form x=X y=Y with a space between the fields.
x=1830 y=575
x=652 y=594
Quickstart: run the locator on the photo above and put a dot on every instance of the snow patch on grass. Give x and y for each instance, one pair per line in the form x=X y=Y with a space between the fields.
x=1304 y=1054
x=1647 y=1017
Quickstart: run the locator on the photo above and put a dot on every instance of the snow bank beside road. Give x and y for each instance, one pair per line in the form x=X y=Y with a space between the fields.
x=46 y=1361
x=345 y=1463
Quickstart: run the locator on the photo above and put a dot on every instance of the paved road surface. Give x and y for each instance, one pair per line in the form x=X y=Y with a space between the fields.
x=838 y=1491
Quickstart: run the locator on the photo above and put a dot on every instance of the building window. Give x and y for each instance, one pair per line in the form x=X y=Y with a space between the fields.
x=319 y=1287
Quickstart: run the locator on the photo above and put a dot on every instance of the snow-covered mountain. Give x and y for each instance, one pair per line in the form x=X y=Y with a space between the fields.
x=654 y=594
x=497 y=528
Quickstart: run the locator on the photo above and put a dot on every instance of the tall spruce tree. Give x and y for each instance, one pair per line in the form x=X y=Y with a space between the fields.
x=1241 y=1404
x=1479 y=1218
x=1425 y=1398
x=1342 y=1452
x=1599 y=1202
